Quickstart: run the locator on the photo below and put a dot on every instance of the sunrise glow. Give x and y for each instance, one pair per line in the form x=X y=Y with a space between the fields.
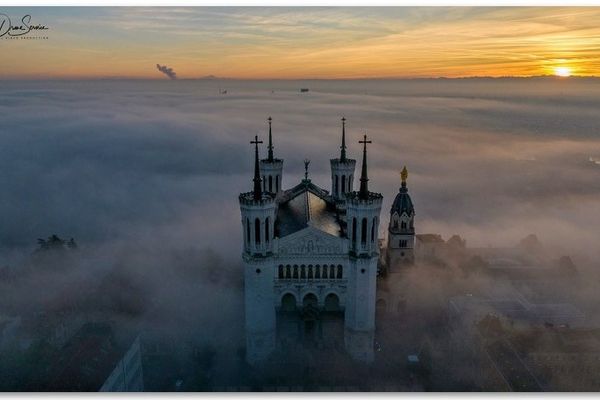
x=305 y=42
x=562 y=71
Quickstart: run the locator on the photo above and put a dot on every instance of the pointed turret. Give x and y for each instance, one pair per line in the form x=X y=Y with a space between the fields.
x=270 y=148
x=343 y=146
x=342 y=172
x=364 y=179
x=257 y=189
x=271 y=168
x=258 y=209
x=401 y=230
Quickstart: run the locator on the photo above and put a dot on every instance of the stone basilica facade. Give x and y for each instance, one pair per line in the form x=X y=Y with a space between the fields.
x=312 y=256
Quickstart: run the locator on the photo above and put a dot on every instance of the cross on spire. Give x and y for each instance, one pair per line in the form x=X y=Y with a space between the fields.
x=257 y=180
x=343 y=146
x=270 y=147
x=364 y=187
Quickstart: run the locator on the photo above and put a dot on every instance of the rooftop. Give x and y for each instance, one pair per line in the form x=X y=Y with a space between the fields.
x=307 y=204
x=86 y=361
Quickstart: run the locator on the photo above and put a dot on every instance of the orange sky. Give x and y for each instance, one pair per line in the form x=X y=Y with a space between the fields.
x=304 y=42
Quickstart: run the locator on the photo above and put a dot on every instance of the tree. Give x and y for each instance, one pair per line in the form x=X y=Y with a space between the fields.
x=473 y=265
x=566 y=266
x=55 y=243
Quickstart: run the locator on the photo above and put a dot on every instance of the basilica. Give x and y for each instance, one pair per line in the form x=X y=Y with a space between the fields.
x=312 y=256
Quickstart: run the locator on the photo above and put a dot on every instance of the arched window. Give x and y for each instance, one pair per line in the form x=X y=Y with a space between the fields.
x=295 y=272
x=270 y=183
x=257 y=231
x=310 y=300
x=363 y=235
x=340 y=272
x=277 y=183
x=280 y=272
x=403 y=225
x=395 y=223
x=324 y=271
x=343 y=183
x=332 y=302
x=332 y=272
x=288 y=272
x=310 y=272
x=248 y=230
x=288 y=302
x=336 y=186
x=303 y=272
x=373 y=230
x=353 y=232
x=318 y=272
x=267 y=236
x=264 y=183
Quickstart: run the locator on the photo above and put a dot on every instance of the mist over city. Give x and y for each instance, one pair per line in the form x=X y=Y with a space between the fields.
x=120 y=209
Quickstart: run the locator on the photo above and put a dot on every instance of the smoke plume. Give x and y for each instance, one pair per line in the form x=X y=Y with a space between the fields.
x=167 y=71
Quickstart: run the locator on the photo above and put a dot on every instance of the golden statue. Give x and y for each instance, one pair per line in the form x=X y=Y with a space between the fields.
x=404 y=174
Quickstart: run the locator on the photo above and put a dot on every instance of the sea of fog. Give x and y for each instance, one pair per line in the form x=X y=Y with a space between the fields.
x=161 y=163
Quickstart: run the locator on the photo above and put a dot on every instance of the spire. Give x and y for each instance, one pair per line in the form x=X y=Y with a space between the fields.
x=343 y=147
x=404 y=176
x=270 y=157
x=257 y=180
x=364 y=187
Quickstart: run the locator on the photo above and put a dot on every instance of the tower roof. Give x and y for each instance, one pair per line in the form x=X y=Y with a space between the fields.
x=270 y=154
x=256 y=196
x=343 y=146
x=403 y=202
x=257 y=186
x=364 y=179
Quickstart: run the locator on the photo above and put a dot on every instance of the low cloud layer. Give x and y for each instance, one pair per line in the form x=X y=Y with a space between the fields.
x=145 y=176
x=492 y=160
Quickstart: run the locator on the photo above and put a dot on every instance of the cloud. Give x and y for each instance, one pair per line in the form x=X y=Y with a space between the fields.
x=131 y=156
x=291 y=42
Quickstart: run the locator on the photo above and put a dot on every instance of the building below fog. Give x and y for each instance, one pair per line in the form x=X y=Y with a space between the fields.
x=95 y=359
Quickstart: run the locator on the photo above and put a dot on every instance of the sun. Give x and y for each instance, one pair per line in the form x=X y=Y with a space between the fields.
x=562 y=71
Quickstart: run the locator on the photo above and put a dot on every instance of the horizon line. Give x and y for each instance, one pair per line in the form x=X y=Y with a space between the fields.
x=216 y=78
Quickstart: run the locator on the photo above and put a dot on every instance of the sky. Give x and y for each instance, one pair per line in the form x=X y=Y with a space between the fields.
x=300 y=43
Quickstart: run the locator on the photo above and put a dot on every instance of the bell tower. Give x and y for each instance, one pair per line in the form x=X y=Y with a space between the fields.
x=271 y=168
x=401 y=230
x=362 y=216
x=258 y=209
x=342 y=171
